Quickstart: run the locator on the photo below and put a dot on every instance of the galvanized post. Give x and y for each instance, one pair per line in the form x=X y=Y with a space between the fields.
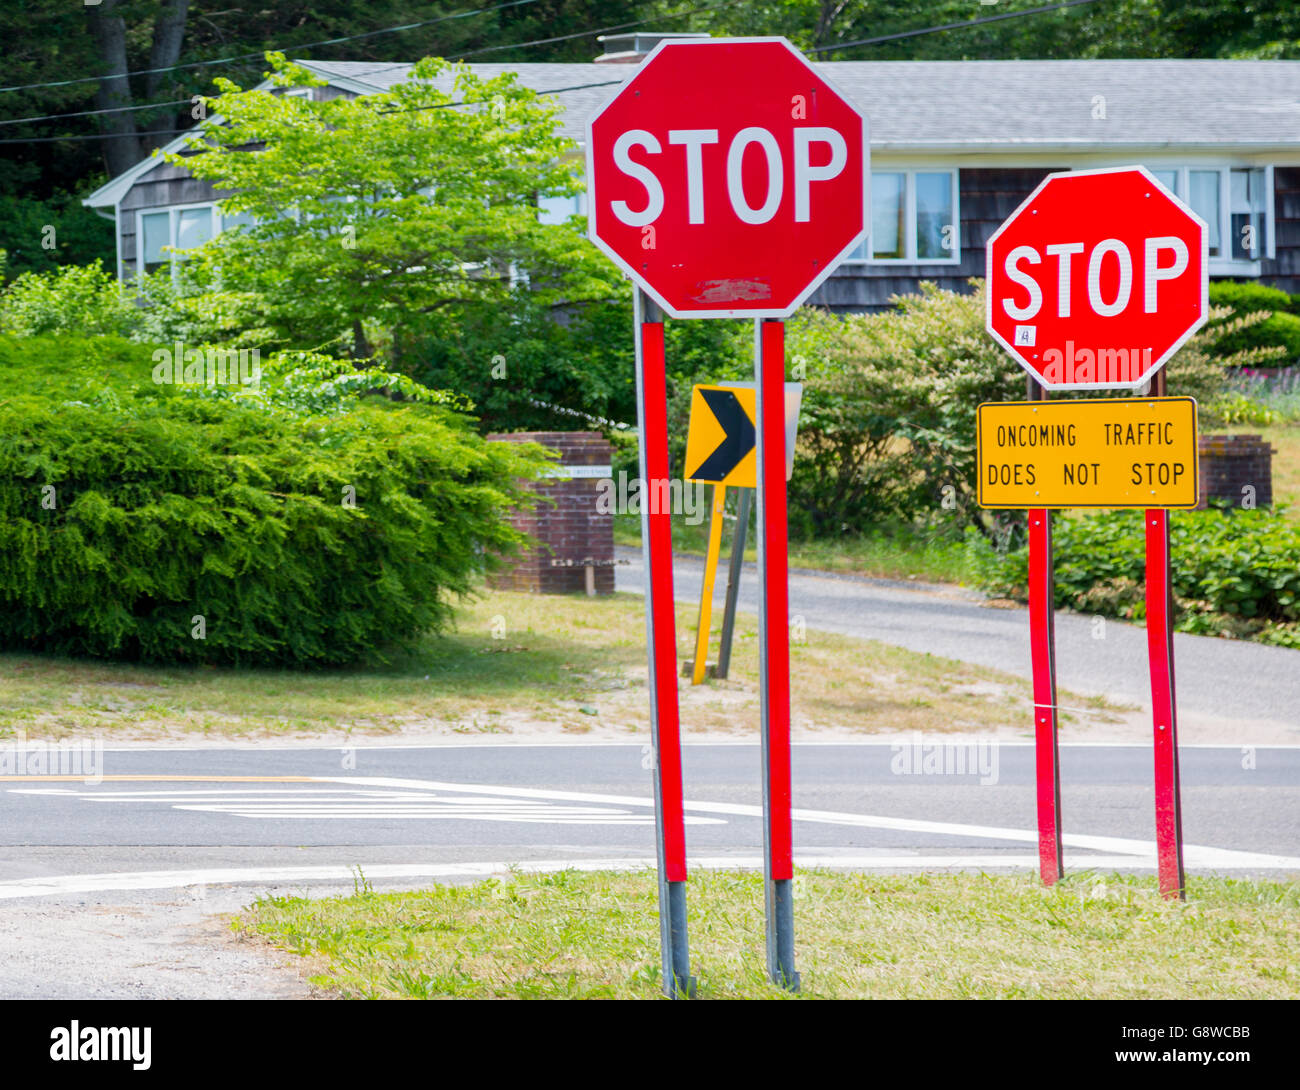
x=661 y=651
x=734 y=568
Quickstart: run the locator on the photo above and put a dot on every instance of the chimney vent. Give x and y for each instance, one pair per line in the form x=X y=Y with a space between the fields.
x=632 y=48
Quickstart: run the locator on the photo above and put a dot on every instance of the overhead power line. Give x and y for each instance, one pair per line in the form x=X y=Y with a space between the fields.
x=261 y=52
x=406 y=110
x=476 y=52
x=951 y=26
x=91 y=113
x=387 y=30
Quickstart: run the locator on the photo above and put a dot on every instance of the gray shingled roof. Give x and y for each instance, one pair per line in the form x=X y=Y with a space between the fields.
x=997 y=105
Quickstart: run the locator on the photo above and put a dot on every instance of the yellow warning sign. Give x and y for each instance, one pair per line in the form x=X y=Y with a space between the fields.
x=720 y=439
x=1103 y=452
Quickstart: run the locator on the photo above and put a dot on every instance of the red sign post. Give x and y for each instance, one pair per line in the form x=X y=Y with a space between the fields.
x=727 y=178
x=1093 y=283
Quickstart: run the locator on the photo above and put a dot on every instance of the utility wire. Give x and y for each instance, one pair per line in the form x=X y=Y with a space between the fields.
x=477 y=52
x=243 y=56
x=406 y=110
x=950 y=26
x=303 y=45
x=91 y=113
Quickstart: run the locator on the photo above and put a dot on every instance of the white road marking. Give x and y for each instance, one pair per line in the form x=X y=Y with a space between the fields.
x=54 y=885
x=1193 y=855
x=376 y=804
x=386 y=798
x=873 y=740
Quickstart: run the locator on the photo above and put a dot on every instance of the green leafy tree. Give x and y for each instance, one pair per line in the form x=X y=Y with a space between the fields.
x=373 y=213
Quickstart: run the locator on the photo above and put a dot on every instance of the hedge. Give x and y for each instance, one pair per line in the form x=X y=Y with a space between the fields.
x=1282 y=327
x=1235 y=572
x=169 y=524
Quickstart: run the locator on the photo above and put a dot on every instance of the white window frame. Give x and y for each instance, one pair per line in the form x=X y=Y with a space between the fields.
x=579 y=200
x=173 y=211
x=1225 y=265
x=909 y=219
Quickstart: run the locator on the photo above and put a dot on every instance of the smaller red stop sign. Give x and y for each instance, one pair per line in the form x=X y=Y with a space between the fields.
x=1097 y=279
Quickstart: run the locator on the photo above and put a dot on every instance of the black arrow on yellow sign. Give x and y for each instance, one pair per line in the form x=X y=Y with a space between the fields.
x=737 y=441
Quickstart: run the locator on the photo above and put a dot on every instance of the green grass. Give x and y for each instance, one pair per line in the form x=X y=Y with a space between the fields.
x=934 y=936
x=567 y=664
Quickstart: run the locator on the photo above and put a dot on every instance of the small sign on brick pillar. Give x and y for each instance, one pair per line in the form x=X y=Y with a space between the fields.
x=575 y=550
x=1236 y=468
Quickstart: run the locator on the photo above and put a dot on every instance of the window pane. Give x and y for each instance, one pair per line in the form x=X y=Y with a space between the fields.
x=556 y=209
x=1204 y=199
x=1167 y=178
x=231 y=220
x=887 y=215
x=154 y=227
x=934 y=225
x=194 y=228
x=1246 y=211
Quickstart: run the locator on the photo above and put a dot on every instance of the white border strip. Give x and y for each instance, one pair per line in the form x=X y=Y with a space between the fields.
x=57 y=885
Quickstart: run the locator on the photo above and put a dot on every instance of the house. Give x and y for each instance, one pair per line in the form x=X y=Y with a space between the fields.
x=955 y=147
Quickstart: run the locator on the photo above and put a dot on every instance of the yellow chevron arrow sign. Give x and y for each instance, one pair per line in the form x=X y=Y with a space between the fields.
x=720 y=438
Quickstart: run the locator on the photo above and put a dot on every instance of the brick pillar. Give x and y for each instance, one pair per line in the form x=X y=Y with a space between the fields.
x=1229 y=463
x=572 y=534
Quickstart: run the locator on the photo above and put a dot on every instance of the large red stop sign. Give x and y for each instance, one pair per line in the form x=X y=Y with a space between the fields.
x=1097 y=279
x=727 y=177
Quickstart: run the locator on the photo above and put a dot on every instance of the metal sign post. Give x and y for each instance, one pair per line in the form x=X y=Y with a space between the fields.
x=1042 y=651
x=774 y=651
x=1094 y=282
x=734 y=569
x=687 y=193
x=661 y=641
x=1160 y=651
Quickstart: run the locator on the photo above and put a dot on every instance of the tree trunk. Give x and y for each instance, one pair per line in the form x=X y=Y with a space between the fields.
x=120 y=143
x=168 y=34
x=360 y=346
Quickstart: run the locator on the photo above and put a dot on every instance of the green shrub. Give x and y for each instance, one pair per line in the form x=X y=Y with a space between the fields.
x=81 y=299
x=1281 y=330
x=1248 y=298
x=1235 y=408
x=1278 y=327
x=194 y=525
x=1235 y=572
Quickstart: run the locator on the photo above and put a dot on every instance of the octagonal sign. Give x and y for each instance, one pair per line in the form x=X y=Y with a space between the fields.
x=727 y=177
x=1097 y=279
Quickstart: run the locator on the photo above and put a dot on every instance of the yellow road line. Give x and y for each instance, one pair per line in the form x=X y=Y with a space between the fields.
x=172 y=779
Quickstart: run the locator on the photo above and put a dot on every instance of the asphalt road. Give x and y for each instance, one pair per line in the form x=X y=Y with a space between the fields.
x=1221 y=683
x=123 y=888
x=260 y=815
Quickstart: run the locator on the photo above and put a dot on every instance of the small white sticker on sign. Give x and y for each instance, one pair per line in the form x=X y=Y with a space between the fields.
x=1025 y=335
